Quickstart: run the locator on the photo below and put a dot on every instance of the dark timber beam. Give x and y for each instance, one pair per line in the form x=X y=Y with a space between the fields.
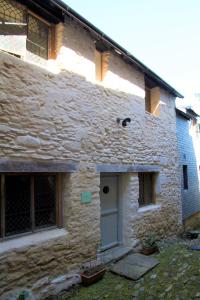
x=9 y=166
x=127 y=168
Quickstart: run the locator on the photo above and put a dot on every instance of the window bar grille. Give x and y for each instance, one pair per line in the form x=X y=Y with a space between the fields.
x=43 y=48
x=12 y=13
x=37 y=37
x=50 y=213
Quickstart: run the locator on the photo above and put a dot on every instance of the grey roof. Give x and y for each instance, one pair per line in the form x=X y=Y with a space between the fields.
x=182 y=113
x=188 y=113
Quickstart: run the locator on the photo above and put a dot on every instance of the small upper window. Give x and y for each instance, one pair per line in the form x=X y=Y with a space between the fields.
x=12 y=17
x=38 y=37
x=21 y=31
x=146 y=188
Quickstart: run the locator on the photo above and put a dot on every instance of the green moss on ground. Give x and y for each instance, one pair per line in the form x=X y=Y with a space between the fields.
x=177 y=277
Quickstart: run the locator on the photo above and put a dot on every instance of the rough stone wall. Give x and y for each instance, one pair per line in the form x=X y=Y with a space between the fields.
x=71 y=118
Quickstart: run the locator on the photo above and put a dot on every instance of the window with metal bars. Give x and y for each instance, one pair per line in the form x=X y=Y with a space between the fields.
x=28 y=203
x=146 y=188
x=12 y=18
x=21 y=30
x=37 y=37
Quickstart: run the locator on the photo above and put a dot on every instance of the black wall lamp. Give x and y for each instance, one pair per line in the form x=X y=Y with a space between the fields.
x=125 y=122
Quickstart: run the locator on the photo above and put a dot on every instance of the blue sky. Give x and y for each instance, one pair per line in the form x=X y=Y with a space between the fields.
x=163 y=34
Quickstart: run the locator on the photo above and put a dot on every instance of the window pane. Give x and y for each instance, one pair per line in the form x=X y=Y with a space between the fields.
x=148 y=188
x=12 y=17
x=17 y=204
x=37 y=40
x=45 y=201
x=145 y=188
x=12 y=27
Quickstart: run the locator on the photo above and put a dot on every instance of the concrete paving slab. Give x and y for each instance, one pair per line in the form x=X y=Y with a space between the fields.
x=134 y=266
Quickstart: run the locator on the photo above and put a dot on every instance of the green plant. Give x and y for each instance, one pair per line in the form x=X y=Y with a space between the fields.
x=150 y=240
x=23 y=295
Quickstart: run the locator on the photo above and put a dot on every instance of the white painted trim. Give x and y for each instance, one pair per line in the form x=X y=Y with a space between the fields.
x=149 y=208
x=32 y=240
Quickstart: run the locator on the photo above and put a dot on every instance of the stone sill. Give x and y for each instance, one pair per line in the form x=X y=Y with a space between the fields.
x=32 y=239
x=151 y=207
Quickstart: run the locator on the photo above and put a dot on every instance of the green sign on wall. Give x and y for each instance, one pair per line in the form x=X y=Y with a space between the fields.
x=86 y=197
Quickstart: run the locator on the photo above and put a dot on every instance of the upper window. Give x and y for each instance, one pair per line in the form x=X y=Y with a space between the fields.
x=37 y=37
x=28 y=203
x=21 y=30
x=12 y=17
x=146 y=188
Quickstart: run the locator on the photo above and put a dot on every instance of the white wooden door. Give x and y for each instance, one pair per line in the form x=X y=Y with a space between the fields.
x=109 y=212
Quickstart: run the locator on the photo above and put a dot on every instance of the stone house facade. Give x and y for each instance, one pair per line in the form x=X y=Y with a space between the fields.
x=88 y=147
x=188 y=135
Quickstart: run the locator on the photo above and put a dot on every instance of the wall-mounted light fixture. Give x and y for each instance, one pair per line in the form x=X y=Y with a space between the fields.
x=125 y=122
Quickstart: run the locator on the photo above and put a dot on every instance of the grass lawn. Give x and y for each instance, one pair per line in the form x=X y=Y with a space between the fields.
x=176 y=277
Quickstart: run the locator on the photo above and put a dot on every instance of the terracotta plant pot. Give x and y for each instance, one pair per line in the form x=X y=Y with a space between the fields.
x=150 y=250
x=92 y=276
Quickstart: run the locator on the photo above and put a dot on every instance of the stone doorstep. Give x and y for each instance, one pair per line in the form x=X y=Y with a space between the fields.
x=134 y=265
x=114 y=254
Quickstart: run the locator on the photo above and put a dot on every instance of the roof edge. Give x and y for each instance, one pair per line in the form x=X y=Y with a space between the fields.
x=182 y=113
x=68 y=10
